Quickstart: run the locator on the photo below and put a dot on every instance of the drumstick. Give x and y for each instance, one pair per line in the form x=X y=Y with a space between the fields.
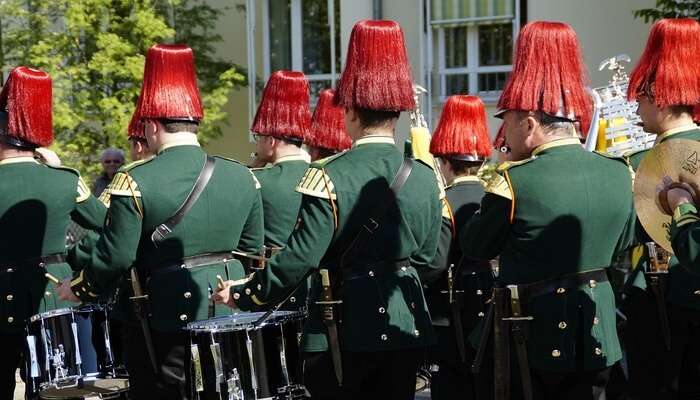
x=221 y=284
x=52 y=278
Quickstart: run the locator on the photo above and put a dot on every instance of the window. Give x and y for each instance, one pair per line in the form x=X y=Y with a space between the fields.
x=303 y=35
x=472 y=46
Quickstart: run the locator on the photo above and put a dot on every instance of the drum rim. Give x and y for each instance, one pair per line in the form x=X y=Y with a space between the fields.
x=66 y=310
x=211 y=327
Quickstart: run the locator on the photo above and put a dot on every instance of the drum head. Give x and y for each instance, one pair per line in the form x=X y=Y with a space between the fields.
x=242 y=321
x=50 y=314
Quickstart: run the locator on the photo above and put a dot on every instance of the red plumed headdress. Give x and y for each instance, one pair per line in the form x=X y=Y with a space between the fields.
x=26 y=97
x=670 y=65
x=284 y=108
x=328 y=124
x=462 y=132
x=377 y=74
x=169 y=89
x=549 y=74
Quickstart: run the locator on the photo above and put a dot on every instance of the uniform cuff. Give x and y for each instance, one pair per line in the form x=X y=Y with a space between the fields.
x=82 y=288
x=248 y=295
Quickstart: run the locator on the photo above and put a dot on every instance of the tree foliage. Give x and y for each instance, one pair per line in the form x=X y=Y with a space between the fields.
x=670 y=9
x=94 y=51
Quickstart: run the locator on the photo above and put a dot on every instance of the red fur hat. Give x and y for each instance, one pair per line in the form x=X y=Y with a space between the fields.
x=549 y=74
x=26 y=97
x=670 y=64
x=169 y=89
x=462 y=132
x=377 y=75
x=284 y=108
x=328 y=124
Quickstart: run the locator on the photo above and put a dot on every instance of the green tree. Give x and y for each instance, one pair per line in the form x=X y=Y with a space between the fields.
x=670 y=9
x=94 y=51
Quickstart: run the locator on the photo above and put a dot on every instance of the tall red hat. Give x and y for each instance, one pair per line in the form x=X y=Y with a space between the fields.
x=284 y=108
x=169 y=89
x=462 y=132
x=328 y=124
x=549 y=74
x=377 y=75
x=670 y=65
x=26 y=97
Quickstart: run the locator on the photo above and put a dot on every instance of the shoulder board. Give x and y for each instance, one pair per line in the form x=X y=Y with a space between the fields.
x=497 y=184
x=123 y=185
x=134 y=164
x=83 y=191
x=506 y=165
x=324 y=161
x=317 y=183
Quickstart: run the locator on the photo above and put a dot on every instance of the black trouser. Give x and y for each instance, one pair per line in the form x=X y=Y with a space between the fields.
x=11 y=348
x=654 y=371
x=453 y=379
x=378 y=375
x=171 y=383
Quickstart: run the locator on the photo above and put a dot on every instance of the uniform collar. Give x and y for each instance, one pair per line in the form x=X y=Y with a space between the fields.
x=370 y=139
x=660 y=138
x=555 y=143
x=180 y=139
x=465 y=178
x=15 y=160
x=295 y=157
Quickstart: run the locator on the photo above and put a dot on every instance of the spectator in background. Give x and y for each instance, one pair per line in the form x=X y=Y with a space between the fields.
x=111 y=160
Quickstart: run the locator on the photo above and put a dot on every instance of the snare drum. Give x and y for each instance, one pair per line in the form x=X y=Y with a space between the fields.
x=67 y=346
x=231 y=358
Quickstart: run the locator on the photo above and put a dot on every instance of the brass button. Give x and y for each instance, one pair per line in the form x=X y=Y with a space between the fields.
x=42 y=264
x=384 y=337
x=404 y=269
x=561 y=290
x=479 y=292
x=598 y=351
x=556 y=353
x=413 y=305
x=480 y=314
x=259 y=286
x=247 y=291
x=236 y=296
x=188 y=295
x=371 y=273
x=183 y=317
x=697 y=292
x=47 y=293
x=10 y=297
x=292 y=299
x=416 y=332
x=9 y=270
x=382 y=310
x=10 y=319
x=562 y=325
x=592 y=283
x=183 y=266
x=596 y=321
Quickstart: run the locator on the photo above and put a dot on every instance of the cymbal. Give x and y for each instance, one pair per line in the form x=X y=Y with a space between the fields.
x=669 y=158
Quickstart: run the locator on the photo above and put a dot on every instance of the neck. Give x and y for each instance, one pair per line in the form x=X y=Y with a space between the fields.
x=285 y=149
x=376 y=131
x=12 y=152
x=166 y=140
x=675 y=122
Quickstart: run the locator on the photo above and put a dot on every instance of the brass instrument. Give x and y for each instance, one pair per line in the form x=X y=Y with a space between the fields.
x=419 y=138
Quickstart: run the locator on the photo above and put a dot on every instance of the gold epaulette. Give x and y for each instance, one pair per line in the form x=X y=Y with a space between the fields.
x=498 y=184
x=122 y=185
x=506 y=165
x=317 y=183
x=83 y=191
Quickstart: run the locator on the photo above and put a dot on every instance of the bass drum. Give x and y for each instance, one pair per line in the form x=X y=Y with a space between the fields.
x=67 y=347
x=232 y=358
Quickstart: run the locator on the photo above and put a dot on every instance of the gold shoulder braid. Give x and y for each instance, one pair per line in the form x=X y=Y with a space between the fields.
x=122 y=185
x=83 y=191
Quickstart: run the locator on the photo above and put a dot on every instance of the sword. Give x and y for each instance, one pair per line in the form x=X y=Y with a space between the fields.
x=327 y=303
x=455 y=307
x=140 y=301
x=518 y=330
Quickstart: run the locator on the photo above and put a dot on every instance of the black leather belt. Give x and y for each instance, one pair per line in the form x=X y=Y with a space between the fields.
x=40 y=262
x=375 y=269
x=561 y=284
x=191 y=262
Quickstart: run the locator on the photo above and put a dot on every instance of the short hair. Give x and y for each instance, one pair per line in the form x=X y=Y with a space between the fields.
x=112 y=151
x=175 y=125
x=376 y=118
x=462 y=167
x=551 y=124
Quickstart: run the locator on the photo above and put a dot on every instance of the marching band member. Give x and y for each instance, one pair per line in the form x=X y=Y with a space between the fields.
x=368 y=239
x=177 y=255
x=666 y=83
x=456 y=287
x=328 y=135
x=557 y=215
x=38 y=202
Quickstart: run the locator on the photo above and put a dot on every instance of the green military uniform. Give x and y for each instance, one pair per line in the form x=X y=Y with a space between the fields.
x=563 y=211
x=38 y=203
x=227 y=216
x=472 y=284
x=646 y=343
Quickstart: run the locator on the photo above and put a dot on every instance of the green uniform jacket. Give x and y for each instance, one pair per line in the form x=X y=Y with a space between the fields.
x=227 y=216
x=562 y=211
x=383 y=309
x=37 y=204
x=683 y=287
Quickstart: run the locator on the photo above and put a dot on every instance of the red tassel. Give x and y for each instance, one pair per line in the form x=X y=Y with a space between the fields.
x=462 y=130
x=284 y=108
x=26 y=97
x=671 y=62
x=137 y=129
x=377 y=73
x=169 y=89
x=549 y=74
x=328 y=124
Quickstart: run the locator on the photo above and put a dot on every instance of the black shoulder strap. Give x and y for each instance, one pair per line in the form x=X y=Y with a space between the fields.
x=163 y=230
x=373 y=222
